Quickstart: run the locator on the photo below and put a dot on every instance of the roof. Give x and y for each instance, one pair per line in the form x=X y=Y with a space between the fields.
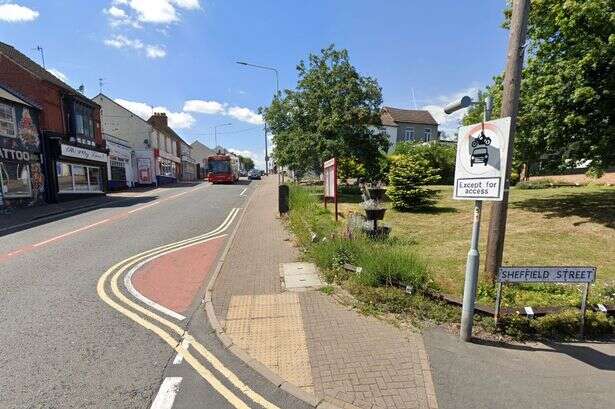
x=387 y=119
x=412 y=116
x=105 y=97
x=164 y=129
x=10 y=95
x=25 y=62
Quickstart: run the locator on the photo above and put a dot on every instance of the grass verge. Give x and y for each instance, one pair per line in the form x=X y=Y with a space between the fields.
x=400 y=259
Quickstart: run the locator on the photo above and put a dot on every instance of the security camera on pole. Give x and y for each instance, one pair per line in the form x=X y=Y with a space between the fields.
x=482 y=154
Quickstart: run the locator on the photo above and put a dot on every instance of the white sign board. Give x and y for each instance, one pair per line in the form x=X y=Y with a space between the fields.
x=538 y=274
x=482 y=154
x=329 y=178
x=82 y=153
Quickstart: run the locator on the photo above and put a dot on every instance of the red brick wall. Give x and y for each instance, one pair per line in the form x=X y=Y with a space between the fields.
x=43 y=93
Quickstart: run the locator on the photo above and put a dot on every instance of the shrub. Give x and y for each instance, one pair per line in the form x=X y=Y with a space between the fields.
x=407 y=174
x=440 y=156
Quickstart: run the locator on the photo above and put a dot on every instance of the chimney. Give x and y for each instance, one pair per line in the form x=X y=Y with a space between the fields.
x=159 y=120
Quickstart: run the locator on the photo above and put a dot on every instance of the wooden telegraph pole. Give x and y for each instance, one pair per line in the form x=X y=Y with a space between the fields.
x=510 y=107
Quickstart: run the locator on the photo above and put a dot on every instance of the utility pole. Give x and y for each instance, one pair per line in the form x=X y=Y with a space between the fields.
x=266 y=152
x=510 y=107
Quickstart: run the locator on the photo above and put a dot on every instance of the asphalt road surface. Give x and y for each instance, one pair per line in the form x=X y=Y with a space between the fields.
x=62 y=345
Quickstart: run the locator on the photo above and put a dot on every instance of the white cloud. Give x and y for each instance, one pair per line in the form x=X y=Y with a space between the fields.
x=155 y=51
x=116 y=12
x=258 y=158
x=218 y=108
x=449 y=122
x=58 y=74
x=154 y=11
x=204 y=107
x=245 y=115
x=14 y=13
x=120 y=41
x=177 y=120
x=187 y=4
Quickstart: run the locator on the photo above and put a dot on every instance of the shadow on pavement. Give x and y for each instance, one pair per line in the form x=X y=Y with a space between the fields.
x=583 y=352
x=18 y=221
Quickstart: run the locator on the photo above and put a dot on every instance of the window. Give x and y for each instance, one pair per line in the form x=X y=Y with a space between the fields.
x=15 y=179
x=118 y=169
x=219 y=166
x=7 y=121
x=427 y=134
x=167 y=168
x=409 y=134
x=78 y=178
x=84 y=125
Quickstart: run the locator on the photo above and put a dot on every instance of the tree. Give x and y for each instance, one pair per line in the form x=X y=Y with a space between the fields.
x=246 y=162
x=440 y=156
x=568 y=87
x=407 y=174
x=327 y=115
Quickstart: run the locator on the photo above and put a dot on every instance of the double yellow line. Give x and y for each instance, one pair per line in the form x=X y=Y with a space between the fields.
x=129 y=308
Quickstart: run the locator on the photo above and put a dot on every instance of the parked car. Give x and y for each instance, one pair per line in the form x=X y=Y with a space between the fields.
x=254 y=174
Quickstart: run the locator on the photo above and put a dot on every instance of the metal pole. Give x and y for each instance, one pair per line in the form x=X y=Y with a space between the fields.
x=266 y=152
x=471 y=278
x=510 y=107
x=498 y=302
x=584 y=309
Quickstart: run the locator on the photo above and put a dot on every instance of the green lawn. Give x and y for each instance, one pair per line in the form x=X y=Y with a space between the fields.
x=557 y=226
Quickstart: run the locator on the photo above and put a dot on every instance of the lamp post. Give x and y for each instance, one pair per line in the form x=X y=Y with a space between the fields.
x=277 y=93
x=216 y=133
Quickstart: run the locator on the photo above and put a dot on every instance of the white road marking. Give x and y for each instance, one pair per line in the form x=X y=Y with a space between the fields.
x=178 y=195
x=13 y=253
x=128 y=277
x=243 y=191
x=167 y=392
x=61 y=236
x=179 y=358
x=144 y=207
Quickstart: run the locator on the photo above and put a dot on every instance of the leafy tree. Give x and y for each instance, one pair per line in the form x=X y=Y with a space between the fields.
x=350 y=169
x=246 y=162
x=407 y=174
x=568 y=86
x=327 y=115
x=440 y=156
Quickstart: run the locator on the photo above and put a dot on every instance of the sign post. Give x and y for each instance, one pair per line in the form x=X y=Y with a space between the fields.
x=330 y=182
x=551 y=274
x=482 y=155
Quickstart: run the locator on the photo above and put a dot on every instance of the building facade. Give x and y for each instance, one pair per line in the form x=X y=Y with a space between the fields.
x=21 y=174
x=168 y=163
x=408 y=125
x=73 y=155
x=189 y=164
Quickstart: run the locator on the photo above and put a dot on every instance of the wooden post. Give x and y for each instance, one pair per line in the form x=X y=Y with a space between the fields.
x=584 y=309
x=510 y=107
x=335 y=184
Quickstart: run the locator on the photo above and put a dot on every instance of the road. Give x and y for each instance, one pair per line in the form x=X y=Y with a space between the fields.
x=72 y=337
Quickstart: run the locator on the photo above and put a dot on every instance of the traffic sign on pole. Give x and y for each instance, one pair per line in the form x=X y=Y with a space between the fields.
x=482 y=155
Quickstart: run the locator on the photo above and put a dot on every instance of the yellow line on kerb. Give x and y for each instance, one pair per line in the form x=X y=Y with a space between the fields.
x=175 y=344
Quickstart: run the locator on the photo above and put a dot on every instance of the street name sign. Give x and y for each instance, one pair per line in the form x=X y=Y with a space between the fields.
x=554 y=274
x=482 y=155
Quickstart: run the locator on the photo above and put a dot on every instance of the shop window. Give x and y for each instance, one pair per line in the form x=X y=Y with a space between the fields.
x=7 y=121
x=118 y=170
x=78 y=178
x=15 y=179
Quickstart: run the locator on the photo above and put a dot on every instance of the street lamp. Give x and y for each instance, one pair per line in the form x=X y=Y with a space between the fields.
x=277 y=93
x=216 y=133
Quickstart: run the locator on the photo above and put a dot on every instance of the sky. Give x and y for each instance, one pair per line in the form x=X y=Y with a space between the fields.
x=179 y=56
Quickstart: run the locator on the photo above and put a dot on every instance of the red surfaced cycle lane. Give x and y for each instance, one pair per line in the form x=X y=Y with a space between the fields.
x=174 y=279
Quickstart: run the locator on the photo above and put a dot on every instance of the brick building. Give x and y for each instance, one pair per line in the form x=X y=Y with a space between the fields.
x=72 y=151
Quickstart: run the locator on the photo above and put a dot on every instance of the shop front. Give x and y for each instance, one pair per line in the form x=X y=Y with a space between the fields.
x=21 y=175
x=80 y=172
x=119 y=169
x=188 y=169
x=168 y=167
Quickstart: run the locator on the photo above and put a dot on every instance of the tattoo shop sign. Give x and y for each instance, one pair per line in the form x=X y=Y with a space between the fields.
x=564 y=274
x=14 y=154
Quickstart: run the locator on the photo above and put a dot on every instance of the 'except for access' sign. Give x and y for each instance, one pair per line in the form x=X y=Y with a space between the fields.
x=482 y=155
x=538 y=274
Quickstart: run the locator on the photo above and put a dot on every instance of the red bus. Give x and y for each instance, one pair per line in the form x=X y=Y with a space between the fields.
x=223 y=168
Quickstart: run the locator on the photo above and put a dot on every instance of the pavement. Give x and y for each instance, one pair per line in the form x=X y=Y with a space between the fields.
x=329 y=352
x=531 y=375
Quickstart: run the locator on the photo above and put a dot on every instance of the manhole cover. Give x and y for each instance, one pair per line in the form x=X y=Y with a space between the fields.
x=300 y=276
